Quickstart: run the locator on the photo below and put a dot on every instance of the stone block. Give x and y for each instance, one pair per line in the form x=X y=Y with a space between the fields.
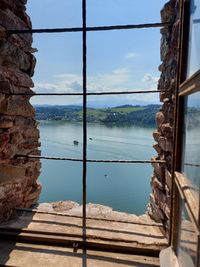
x=4 y=140
x=160 y=118
x=8 y=152
x=10 y=21
x=167 y=130
x=5 y=86
x=166 y=144
x=154 y=210
x=6 y=123
x=156 y=183
x=10 y=173
x=21 y=121
x=157 y=148
x=156 y=135
x=17 y=106
x=168 y=13
x=16 y=77
x=33 y=196
x=13 y=57
x=31 y=132
x=159 y=169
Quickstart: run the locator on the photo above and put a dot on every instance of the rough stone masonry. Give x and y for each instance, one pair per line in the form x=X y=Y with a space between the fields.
x=18 y=127
x=159 y=206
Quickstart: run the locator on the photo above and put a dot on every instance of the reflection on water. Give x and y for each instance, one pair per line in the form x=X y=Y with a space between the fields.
x=125 y=187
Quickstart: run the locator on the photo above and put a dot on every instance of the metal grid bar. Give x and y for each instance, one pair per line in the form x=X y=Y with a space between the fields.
x=90 y=29
x=71 y=243
x=90 y=160
x=84 y=37
x=81 y=94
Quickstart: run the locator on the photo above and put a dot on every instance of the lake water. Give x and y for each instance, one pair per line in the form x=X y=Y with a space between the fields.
x=125 y=187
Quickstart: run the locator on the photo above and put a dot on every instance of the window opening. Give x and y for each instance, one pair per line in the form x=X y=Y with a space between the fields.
x=84 y=29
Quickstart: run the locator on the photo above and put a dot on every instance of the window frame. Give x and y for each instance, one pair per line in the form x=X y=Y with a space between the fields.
x=181 y=184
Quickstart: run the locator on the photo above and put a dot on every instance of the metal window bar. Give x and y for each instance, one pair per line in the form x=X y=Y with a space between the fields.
x=84 y=36
x=90 y=29
x=84 y=29
x=90 y=160
x=88 y=94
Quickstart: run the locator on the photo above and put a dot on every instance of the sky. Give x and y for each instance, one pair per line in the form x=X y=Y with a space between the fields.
x=116 y=60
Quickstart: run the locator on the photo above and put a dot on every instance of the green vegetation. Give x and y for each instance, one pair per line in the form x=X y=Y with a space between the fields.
x=119 y=116
x=122 y=115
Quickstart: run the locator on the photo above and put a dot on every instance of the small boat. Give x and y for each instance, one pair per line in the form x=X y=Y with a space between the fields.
x=90 y=138
x=75 y=142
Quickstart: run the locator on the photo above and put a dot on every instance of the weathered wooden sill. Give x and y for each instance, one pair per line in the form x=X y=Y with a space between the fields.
x=107 y=230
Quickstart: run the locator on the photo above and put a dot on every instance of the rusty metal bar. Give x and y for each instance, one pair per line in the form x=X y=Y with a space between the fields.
x=65 y=235
x=88 y=94
x=92 y=245
x=90 y=160
x=84 y=179
x=192 y=164
x=90 y=29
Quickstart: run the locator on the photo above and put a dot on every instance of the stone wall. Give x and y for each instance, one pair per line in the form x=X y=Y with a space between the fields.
x=18 y=128
x=159 y=207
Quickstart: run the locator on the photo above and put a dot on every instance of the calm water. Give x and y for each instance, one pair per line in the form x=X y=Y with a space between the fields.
x=125 y=187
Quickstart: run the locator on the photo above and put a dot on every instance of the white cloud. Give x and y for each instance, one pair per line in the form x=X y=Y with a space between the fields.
x=114 y=80
x=150 y=80
x=131 y=55
x=120 y=79
x=65 y=83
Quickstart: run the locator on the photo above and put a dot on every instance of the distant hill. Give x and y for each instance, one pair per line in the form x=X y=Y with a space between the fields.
x=120 y=115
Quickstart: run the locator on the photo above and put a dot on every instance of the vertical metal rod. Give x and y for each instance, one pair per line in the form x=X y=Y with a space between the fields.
x=84 y=39
x=174 y=206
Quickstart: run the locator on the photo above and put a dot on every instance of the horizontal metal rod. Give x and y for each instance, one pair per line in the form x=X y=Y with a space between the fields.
x=90 y=160
x=65 y=235
x=91 y=29
x=192 y=165
x=91 y=245
x=88 y=94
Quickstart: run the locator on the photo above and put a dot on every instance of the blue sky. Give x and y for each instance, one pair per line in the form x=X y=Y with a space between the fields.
x=117 y=60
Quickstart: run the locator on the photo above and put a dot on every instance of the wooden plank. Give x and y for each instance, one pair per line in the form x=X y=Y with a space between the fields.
x=125 y=232
x=191 y=85
x=78 y=243
x=35 y=255
x=138 y=235
x=189 y=196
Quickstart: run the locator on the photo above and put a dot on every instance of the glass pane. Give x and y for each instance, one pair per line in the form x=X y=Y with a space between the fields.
x=191 y=150
x=187 y=248
x=194 y=38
